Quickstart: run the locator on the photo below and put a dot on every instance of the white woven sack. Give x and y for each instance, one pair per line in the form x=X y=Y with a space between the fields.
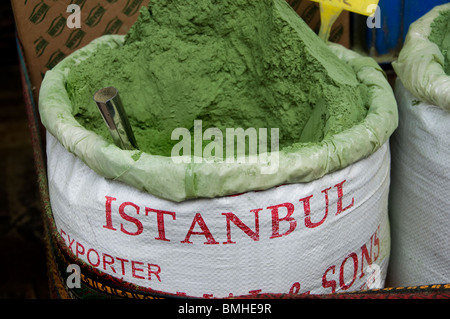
x=329 y=235
x=420 y=201
x=420 y=62
x=420 y=189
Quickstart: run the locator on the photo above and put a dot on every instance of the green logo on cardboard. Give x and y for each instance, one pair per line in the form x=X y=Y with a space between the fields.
x=39 y=46
x=95 y=15
x=54 y=59
x=295 y=4
x=75 y=38
x=310 y=12
x=337 y=33
x=132 y=7
x=39 y=12
x=113 y=26
x=79 y=3
x=57 y=26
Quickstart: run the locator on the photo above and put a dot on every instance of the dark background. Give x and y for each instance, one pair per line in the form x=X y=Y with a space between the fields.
x=23 y=271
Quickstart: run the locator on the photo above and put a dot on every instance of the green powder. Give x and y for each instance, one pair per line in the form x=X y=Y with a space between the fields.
x=230 y=63
x=440 y=35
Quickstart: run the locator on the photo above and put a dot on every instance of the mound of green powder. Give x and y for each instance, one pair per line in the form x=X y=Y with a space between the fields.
x=440 y=35
x=229 y=63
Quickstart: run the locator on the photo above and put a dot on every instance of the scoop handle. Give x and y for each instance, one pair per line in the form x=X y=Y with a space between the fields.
x=111 y=108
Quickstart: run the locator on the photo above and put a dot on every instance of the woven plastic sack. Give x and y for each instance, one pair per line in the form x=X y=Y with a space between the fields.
x=420 y=63
x=329 y=235
x=319 y=225
x=162 y=177
x=419 y=202
x=420 y=189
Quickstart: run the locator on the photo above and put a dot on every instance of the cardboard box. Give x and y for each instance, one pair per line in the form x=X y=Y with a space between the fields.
x=47 y=32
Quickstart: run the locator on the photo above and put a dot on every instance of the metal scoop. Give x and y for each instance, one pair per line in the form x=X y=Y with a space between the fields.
x=113 y=113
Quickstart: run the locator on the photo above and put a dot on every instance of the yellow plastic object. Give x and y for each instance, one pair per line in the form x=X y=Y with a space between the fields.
x=331 y=9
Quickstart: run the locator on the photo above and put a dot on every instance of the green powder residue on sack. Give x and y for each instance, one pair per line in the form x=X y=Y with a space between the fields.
x=230 y=63
x=440 y=35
